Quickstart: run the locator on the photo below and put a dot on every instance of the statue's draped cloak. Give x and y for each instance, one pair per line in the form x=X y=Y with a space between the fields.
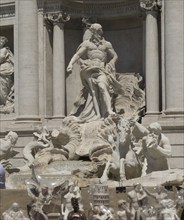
x=6 y=76
x=91 y=76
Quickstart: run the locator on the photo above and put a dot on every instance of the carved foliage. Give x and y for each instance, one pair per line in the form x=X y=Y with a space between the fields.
x=55 y=18
x=69 y=136
x=150 y=5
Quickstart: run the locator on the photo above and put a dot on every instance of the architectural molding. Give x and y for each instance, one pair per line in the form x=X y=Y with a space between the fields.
x=151 y=5
x=55 y=18
x=99 y=9
x=7 y=10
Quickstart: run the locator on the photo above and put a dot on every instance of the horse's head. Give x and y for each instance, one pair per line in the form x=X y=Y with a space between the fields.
x=124 y=129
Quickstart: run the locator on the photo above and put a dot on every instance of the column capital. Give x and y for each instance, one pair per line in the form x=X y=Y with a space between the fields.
x=151 y=5
x=40 y=11
x=57 y=18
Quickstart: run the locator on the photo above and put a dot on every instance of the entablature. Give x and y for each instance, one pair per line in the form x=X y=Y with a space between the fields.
x=97 y=9
x=7 y=9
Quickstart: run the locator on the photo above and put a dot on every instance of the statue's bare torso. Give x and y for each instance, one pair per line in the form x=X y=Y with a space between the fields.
x=97 y=52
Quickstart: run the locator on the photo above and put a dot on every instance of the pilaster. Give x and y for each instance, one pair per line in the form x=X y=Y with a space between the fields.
x=151 y=9
x=174 y=57
x=27 y=51
x=58 y=20
x=41 y=62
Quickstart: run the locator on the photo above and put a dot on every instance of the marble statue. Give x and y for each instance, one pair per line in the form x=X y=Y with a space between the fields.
x=121 y=160
x=14 y=213
x=6 y=146
x=103 y=124
x=169 y=210
x=76 y=213
x=74 y=192
x=41 y=194
x=41 y=141
x=138 y=199
x=180 y=197
x=68 y=138
x=138 y=196
x=48 y=146
x=102 y=213
x=109 y=133
x=97 y=110
x=97 y=76
x=159 y=195
x=131 y=102
x=124 y=212
x=95 y=212
x=155 y=146
x=179 y=201
x=6 y=77
x=149 y=213
x=123 y=147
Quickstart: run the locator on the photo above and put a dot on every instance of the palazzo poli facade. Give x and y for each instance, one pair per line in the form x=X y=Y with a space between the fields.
x=44 y=34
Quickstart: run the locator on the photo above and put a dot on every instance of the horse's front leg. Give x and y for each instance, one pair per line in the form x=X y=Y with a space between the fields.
x=105 y=174
x=122 y=170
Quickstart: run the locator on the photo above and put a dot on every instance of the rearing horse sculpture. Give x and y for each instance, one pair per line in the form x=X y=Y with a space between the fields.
x=124 y=162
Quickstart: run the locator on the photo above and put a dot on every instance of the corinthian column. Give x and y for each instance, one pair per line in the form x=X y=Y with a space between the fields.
x=152 y=56
x=174 y=57
x=27 y=52
x=58 y=20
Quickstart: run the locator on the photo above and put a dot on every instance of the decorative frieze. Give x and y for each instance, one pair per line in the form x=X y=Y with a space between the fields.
x=7 y=10
x=86 y=8
x=93 y=9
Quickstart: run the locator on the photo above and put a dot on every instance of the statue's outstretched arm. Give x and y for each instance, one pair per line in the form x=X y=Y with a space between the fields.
x=76 y=56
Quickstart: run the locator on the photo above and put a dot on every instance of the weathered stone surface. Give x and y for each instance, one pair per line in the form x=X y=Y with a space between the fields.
x=6 y=77
x=167 y=177
x=42 y=194
x=58 y=170
x=6 y=148
x=15 y=213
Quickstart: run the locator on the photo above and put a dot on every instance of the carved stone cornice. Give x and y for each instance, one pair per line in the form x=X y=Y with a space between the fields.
x=7 y=10
x=90 y=8
x=151 y=5
x=57 y=18
x=81 y=8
